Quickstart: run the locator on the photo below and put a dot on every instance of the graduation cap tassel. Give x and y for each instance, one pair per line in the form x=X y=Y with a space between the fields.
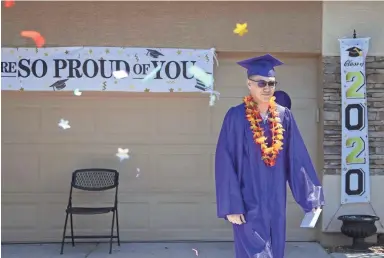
x=213 y=50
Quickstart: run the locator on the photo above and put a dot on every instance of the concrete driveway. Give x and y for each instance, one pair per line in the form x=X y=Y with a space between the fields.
x=149 y=250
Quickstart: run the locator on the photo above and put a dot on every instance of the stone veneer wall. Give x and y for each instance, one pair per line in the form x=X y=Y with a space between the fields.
x=332 y=114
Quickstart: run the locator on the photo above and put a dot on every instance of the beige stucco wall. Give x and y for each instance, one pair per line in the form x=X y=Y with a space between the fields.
x=273 y=26
x=339 y=20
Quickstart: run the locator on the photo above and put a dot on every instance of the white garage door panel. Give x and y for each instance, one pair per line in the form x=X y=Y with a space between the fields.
x=171 y=139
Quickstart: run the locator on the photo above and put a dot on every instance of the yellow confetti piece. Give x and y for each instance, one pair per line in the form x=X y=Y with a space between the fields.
x=147 y=90
x=178 y=52
x=21 y=89
x=132 y=87
x=180 y=89
x=241 y=29
x=107 y=51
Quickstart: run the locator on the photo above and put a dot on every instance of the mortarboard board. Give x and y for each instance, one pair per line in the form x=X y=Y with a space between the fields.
x=283 y=99
x=154 y=53
x=355 y=52
x=261 y=65
x=59 y=85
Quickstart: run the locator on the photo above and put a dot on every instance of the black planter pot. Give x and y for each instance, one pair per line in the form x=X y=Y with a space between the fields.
x=358 y=227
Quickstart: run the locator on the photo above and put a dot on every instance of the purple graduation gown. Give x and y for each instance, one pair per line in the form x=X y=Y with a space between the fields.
x=245 y=185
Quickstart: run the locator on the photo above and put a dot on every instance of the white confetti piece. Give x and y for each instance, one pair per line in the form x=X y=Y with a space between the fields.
x=122 y=154
x=212 y=100
x=120 y=74
x=201 y=75
x=138 y=172
x=64 y=124
x=77 y=92
x=214 y=95
x=196 y=252
x=152 y=74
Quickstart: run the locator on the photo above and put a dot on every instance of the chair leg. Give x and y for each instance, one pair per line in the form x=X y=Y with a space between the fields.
x=73 y=240
x=113 y=224
x=118 y=229
x=65 y=227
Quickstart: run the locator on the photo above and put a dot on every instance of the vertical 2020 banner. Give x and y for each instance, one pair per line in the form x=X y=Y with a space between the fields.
x=355 y=184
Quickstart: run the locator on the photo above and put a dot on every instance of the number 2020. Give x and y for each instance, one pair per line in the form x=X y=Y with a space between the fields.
x=358 y=80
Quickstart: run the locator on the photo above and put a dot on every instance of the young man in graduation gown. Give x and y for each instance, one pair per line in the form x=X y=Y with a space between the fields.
x=259 y=150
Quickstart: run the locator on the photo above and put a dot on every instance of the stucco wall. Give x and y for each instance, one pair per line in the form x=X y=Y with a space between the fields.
x=273 y=26
x=340 y=18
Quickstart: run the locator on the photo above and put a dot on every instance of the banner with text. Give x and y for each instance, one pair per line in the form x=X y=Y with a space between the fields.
x=91 y=69
x=355 y=181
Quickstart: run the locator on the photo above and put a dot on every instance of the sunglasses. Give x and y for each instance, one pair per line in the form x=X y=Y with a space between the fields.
x=263 y=83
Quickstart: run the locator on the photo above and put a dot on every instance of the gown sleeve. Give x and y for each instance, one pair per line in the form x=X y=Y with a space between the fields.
x=228 y=194
x=302 y=177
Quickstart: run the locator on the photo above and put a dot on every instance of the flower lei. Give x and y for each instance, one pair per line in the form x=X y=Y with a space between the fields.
x=269 y=154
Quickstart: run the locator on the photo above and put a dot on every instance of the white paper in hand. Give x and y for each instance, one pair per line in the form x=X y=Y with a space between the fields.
x=310 y=219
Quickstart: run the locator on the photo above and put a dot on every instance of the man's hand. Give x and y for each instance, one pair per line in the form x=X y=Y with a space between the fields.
x=236 y=218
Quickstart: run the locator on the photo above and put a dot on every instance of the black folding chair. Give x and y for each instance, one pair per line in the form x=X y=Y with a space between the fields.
x=93 y=179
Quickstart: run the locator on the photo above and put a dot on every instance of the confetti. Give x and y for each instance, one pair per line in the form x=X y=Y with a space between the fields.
x=201 y=75
x=241 y=29
x=77 y=92
x=152 y=74
x=214 y=95
x=9 y=3
x=122 y=154
x=138 y=172
x=120 y=74
x=39 y=40
x=212 y=100
x=64 y=124
x=196 y=252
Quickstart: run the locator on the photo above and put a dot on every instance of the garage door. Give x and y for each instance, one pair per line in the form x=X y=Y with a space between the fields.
x=171 y=138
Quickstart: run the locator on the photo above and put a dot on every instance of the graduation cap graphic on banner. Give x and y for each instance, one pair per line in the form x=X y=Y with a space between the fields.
x=355 y=52
x=154 y=53
x=200 y=85
x=59 y=85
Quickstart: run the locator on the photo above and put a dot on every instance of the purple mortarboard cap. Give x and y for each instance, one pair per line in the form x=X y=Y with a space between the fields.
x=261 y=65
x=283 y=99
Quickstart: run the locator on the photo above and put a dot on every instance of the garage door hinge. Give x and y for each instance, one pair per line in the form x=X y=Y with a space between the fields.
x=317 y=115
